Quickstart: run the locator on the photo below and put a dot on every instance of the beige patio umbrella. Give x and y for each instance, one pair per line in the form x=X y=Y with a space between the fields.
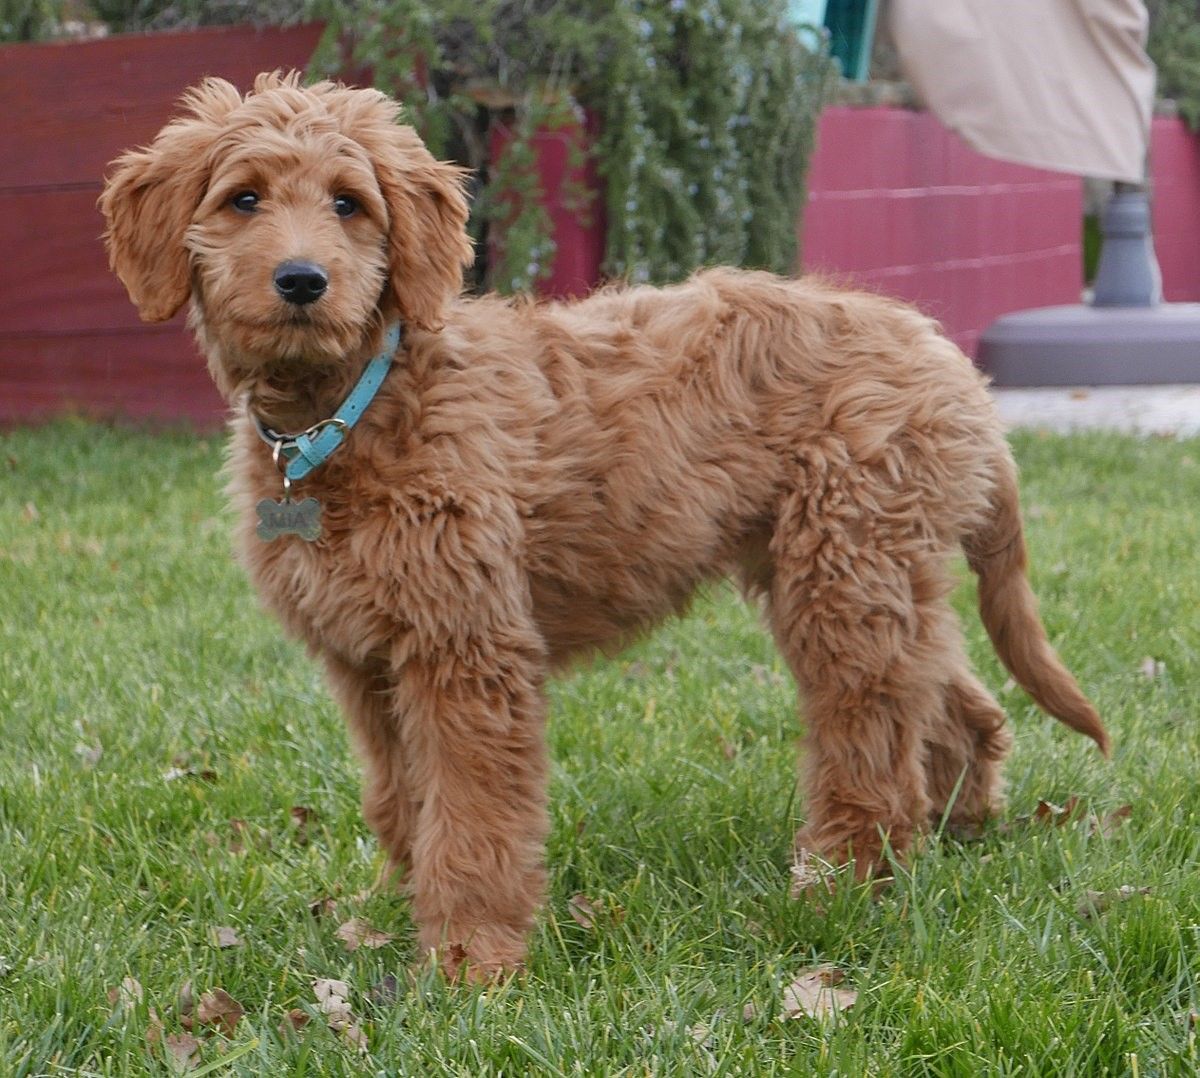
x=1059 y=84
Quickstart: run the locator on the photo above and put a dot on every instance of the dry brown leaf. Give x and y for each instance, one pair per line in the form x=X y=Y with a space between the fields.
x=1095 y=903
x=186 y=1006
x=1049 y=812
x=749 y=1013
x=294 y=1021
x=332 y=1002
x=355 y=1037
x=30 y=514
x=814 y=993
x=182 y=1049
x=385 y=992
x=129 y=994
x=219 y=1008
x=356 y=933
x=224 y=936
x=582 y=910
x=810 y=874
x=301 y=816
x=154 y=1029
x=323 y=907
x=205 y=774
x=1107 y=824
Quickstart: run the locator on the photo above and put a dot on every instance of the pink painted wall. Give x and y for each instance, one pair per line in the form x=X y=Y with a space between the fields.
x=1175 y=170
x=899 y=204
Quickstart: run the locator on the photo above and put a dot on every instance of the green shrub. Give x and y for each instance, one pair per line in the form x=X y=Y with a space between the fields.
x=27 y=20
x=706 y=111
x=126 y=16
x=1174 y=46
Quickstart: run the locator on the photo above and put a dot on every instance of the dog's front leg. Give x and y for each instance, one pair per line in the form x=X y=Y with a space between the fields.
x=473 y=718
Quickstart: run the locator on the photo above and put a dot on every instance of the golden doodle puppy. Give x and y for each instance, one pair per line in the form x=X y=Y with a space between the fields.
x=492 y=488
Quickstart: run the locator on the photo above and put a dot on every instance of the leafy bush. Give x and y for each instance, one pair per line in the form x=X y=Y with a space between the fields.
x=126 y=16
x=1174 y=46
x=27 y=20
x=706 y=114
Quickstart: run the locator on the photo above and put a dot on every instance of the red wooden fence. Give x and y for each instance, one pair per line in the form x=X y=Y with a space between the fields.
x=69 y=338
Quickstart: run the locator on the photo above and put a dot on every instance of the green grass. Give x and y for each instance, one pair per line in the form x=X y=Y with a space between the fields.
x=125 y=625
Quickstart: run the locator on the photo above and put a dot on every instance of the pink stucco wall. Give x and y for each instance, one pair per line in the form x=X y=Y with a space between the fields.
x=899 y=204
x=1175 y=168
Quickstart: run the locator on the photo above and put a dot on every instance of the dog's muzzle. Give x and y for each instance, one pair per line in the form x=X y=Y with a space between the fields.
x=300 y=282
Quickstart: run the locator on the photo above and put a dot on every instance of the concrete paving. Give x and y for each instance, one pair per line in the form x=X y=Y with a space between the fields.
x=1150 y=410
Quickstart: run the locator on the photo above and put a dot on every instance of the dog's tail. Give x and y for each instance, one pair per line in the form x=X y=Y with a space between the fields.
x=1009 y=611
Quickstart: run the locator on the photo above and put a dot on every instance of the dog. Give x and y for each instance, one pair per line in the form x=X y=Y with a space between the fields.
x=530 y=483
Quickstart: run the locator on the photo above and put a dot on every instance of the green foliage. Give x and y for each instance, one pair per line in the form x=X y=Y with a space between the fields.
x=1174 y=45
x=27 y=20
x=706 y=112
x=126 y=16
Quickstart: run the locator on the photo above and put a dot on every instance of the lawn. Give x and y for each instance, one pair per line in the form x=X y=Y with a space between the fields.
x=171 y=766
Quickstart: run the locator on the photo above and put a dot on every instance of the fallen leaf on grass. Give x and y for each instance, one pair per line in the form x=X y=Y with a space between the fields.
x=810 y=874
x=219 y=1008
x=127 y=995
x=182 y=1049
x=30 y=514
x=749 y=1013
x=815 y=993
x=224 y=936
x=582 y=910
x=332 y=1002
x=1095 y=903
x=294 y=1021
x=356 y=933
x=205 y=774
x=323 y=907
x=301 y=816
x=1107 y=824
x=1058 y=815
x=186 y=1006
x=385 y=992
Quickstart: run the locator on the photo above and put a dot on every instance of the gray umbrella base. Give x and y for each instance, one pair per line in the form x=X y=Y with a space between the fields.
x=1092 y=346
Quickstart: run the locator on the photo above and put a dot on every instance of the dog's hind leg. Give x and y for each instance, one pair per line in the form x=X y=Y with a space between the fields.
x=365 y=695
x=965 y=749
x=856 y=604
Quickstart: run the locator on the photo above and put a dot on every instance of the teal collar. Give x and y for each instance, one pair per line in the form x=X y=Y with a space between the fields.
x=308 y=450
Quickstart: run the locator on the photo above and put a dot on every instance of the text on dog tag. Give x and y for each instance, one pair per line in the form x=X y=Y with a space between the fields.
x=287 y=517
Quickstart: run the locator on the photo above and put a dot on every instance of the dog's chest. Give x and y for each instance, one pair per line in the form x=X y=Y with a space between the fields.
x=339 y=591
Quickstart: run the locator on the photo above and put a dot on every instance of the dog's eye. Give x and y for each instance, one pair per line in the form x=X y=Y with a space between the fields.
x=345 y=206
x=244 y=202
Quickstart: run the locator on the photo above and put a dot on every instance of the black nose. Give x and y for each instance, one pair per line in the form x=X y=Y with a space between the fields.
x=300 y=282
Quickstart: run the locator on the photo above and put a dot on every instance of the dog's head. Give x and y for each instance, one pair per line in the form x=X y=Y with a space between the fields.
x=294 y=217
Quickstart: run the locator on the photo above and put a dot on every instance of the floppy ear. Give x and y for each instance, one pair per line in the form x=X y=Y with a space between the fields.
x=428 y=245
x=149 y=199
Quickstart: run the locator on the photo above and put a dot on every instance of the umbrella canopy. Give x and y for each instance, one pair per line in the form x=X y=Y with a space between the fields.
x=1064 y=85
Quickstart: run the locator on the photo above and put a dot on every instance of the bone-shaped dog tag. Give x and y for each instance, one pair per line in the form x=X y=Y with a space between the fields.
x=287 y=517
